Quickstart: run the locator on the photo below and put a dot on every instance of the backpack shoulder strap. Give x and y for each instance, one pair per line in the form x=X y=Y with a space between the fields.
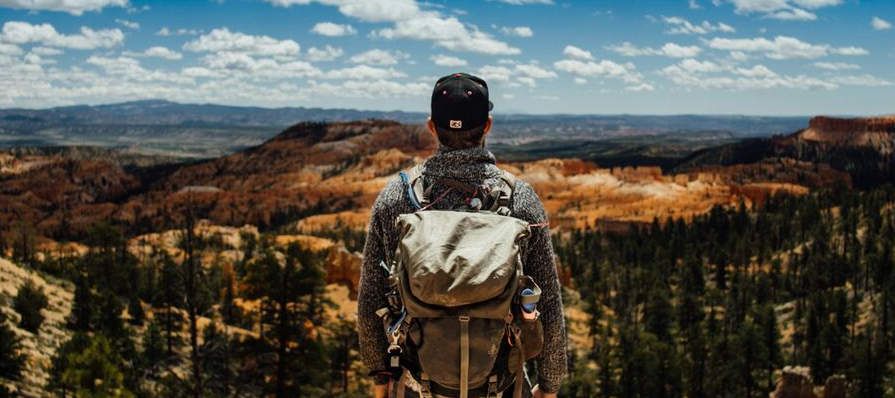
x=510 y=179
x=413 y=186
x=505 y=193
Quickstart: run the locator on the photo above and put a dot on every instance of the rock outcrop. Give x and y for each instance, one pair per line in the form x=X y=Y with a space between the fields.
x=872 y=124
x=874 y=133
x=795 y=382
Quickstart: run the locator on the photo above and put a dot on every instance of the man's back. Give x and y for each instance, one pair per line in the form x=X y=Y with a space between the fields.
x=472 y=166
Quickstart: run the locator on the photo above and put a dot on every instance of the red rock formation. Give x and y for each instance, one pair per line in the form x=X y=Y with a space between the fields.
x=873 y=124
x=795 y=382
x=343 y=267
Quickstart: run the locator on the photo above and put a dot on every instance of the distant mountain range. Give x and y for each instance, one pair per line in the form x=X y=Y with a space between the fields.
x=205 y=130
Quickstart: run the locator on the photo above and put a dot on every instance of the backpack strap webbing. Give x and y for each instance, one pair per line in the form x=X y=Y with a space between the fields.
x=520 y=367
x=464 y=355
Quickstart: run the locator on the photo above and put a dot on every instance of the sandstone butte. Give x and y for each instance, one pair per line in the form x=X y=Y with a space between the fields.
x=876 y=132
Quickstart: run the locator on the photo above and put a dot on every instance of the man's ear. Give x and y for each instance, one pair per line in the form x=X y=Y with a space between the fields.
x=430 y=124
x=488 y=124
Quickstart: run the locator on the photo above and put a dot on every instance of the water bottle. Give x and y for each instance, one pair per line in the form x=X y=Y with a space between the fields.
x=528 y=310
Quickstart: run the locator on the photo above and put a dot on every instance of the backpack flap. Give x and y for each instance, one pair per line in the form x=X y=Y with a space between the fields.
x=451 y=259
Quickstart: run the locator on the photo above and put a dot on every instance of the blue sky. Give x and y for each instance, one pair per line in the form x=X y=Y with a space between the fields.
x=763 y=57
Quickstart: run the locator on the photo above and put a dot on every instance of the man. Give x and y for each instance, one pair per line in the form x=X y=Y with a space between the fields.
x=460 y=120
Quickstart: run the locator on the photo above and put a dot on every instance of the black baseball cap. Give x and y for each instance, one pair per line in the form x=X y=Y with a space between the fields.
x=460 y=102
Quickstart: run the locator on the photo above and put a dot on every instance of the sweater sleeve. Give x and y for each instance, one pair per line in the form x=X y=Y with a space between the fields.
x=539 y=263
x=373 y=286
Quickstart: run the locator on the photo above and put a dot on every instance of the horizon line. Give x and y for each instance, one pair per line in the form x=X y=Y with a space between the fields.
x=511 y=113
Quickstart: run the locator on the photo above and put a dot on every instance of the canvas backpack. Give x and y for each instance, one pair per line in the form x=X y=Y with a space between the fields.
x=455 y=319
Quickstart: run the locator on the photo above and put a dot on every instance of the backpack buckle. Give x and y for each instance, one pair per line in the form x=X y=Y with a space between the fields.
x=394 y=356
x=492 y=387
x=425 y=387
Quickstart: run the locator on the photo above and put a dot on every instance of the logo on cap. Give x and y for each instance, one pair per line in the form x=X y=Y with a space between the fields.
x=456 y=124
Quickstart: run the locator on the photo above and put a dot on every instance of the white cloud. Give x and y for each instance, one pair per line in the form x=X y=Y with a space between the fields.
x=692 y=73
x=201 y=72
x=364 y=10
x=447 y=60
x=696 y=66
x=836 y=66
x=16 y=32
x=130 y=69
x=10 y=49
x=534 y=71
x=363 y=72
x=671 y=50
x=162 y=52
x=333 y=29
x=222 y=39
x=128 y=24
x=525 y=2
x=709 y=75
x=880 y=24
x=640 y=87
x=165 y=31
x=738 y=56
x=518 y=31
x=495 y=73
x=795 y=14
x=605 y=68
x=694 y=5
x=380 y=88
x=247 y=66
x=448 y=33
x=677 y=51
x=74 y=7
x=26 y=82
x=379 y=57
x=790 y=10
x=46 y=51
x=681 y=26
x=757 y=71
x=580 y=80
x=782 y=47
x=577 y=53
x=327 y=53
x=520 y=74
x=411 y=22
x=849 y=51
x=861 y=80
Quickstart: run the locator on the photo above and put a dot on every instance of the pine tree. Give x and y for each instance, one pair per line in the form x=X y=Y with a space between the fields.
x=771 y=339
x=94 y=370
x=168 y=300
x=217 y=368
x=291 y=292
x=153 y=348
x=689 y=316
x=82 y=313
x=11 y=359
x=29 y=302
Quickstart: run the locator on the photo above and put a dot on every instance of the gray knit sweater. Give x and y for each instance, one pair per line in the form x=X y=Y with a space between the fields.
x=477 y=166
